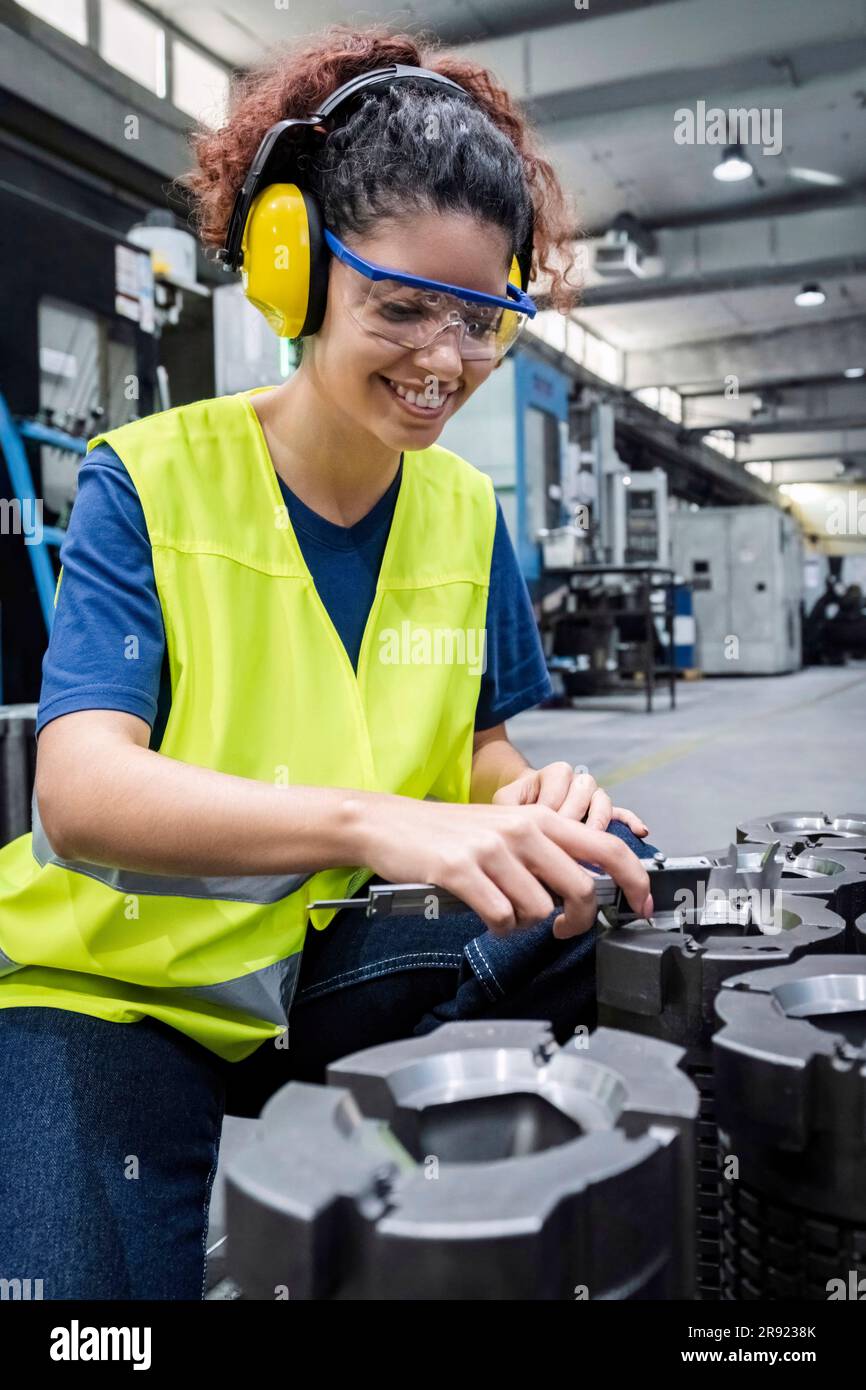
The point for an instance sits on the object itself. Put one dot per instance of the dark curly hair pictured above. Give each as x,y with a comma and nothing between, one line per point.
382,162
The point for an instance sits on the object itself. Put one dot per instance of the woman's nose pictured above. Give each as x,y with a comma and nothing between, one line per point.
442,356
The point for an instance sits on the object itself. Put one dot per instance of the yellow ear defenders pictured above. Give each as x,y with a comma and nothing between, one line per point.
275,234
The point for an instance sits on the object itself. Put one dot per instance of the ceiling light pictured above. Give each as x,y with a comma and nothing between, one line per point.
853,372
810,296
818,176
733,165
626,482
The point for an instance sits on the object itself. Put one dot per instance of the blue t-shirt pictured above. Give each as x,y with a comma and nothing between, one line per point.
108,596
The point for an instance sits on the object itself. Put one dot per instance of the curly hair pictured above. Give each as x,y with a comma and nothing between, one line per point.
378,164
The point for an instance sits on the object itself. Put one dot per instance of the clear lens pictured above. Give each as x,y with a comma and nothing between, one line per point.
412,318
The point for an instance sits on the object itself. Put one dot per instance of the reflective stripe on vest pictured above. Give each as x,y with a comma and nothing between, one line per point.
261,688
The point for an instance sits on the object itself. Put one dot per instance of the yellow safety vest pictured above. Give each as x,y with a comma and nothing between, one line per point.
261,687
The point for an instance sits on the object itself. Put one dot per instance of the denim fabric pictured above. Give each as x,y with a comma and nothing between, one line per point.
109,1133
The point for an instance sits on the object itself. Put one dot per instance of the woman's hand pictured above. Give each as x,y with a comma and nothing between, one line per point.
503,861
573,792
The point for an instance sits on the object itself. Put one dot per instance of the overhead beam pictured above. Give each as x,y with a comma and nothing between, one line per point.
807,198
816,349
576,69
722,281
746,388
804,404
794,445
778,426
819,456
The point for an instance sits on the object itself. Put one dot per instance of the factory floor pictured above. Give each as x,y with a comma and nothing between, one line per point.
734,747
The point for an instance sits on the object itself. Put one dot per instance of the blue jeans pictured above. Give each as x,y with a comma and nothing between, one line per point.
109,1133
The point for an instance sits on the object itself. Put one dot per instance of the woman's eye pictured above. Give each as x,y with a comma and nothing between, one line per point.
479,327
397,312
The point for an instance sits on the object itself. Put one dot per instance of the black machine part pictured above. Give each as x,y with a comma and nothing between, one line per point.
481,1161
790,1062
661,978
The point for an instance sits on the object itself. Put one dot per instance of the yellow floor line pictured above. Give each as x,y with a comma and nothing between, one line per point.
653,761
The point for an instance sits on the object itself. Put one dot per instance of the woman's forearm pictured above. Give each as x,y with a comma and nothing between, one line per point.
495,763
137,809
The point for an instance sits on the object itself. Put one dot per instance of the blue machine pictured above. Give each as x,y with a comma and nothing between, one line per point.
12,436
684,628
515,428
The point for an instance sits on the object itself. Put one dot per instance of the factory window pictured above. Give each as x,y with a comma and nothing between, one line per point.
133,43
198,86
722,441
70,16
602,359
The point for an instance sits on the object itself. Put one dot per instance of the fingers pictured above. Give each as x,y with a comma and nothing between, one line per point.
521,792
634,823
555,785
580,794
580,909
564,876
609,853
473,887
600,810
495,884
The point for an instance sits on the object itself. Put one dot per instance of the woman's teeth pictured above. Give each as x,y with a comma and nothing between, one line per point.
416,397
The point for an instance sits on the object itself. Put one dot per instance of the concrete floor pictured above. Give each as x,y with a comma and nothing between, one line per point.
733,748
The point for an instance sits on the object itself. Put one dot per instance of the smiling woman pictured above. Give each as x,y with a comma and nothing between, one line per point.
272,746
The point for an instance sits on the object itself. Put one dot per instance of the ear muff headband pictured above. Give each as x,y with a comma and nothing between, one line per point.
275,231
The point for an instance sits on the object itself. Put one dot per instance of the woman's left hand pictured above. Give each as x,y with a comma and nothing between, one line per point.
572,792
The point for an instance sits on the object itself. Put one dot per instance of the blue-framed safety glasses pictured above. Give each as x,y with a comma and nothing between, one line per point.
411,312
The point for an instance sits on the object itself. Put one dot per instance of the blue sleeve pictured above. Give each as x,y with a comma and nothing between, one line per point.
516,675
108,640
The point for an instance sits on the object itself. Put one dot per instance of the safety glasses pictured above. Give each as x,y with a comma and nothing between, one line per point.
411,312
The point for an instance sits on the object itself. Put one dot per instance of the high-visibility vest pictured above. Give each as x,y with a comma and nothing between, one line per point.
261,687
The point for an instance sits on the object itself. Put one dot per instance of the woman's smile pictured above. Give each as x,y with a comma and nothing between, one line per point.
416,402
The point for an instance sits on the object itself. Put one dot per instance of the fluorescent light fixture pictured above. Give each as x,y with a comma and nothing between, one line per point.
853,372
801,492
733,165
817,176
810,296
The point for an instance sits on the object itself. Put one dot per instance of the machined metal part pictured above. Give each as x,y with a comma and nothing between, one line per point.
659,979
237,1131
790,1062
481,1161
808,829
834,874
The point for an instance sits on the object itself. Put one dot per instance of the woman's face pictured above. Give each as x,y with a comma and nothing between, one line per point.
354,366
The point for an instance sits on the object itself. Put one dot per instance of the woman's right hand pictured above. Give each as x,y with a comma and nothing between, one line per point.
499,860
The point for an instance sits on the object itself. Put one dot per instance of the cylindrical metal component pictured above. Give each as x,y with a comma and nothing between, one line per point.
17,769
810,829
661,980
834,874
481,1161
790,1062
